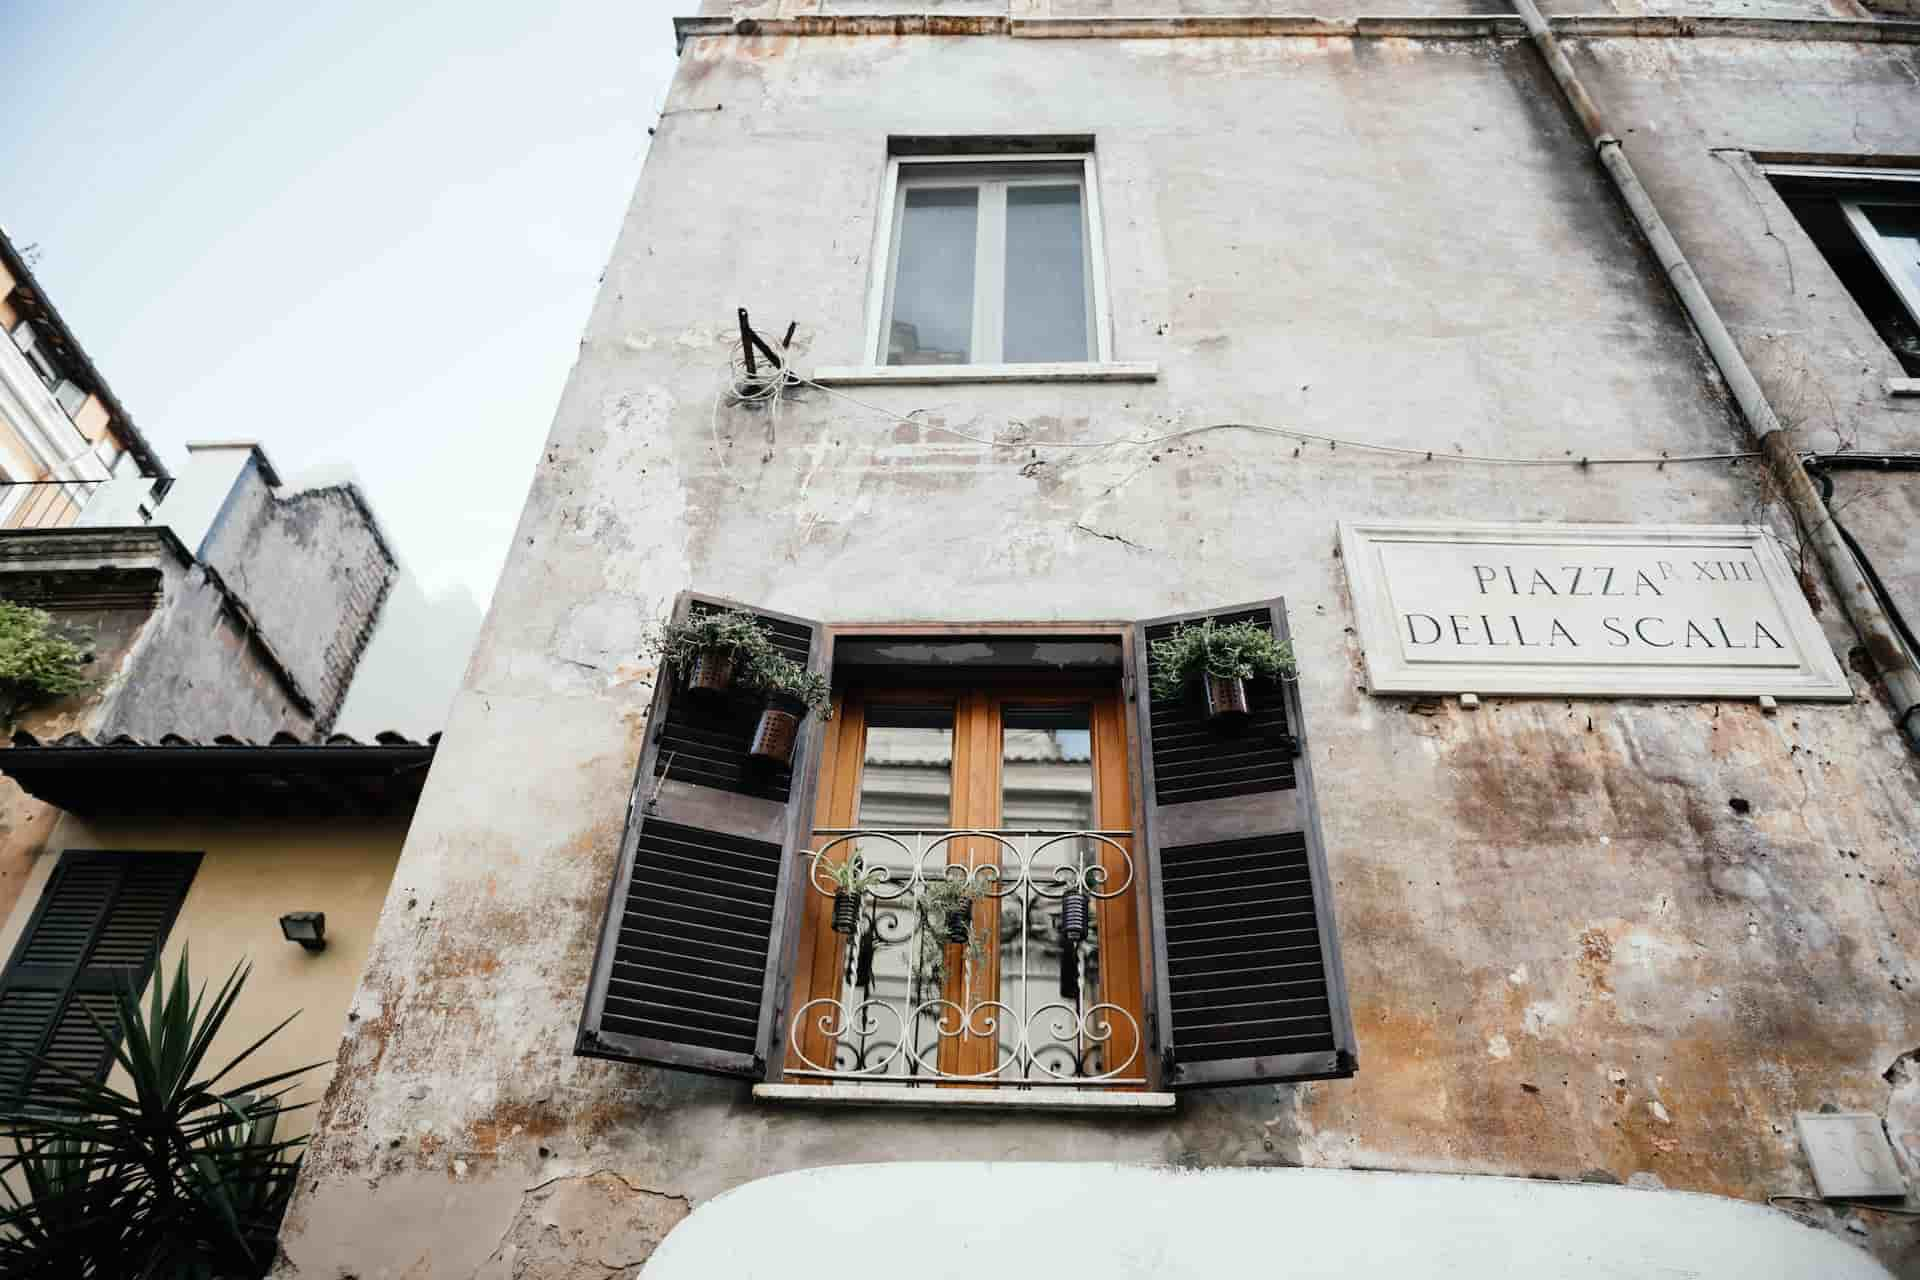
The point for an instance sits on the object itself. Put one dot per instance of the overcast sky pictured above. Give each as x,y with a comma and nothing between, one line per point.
360,232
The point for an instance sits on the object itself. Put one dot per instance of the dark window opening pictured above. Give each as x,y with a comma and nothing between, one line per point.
1823,215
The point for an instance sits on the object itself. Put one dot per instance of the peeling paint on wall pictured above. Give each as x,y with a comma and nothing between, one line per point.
1586,940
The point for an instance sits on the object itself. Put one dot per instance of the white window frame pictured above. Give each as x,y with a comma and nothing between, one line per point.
997,172
1878,249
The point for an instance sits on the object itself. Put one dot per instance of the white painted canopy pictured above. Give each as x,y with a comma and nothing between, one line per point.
1057,1221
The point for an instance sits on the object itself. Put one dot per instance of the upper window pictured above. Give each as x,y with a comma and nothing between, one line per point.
991,261
1866,223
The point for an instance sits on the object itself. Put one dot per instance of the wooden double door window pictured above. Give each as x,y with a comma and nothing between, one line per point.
1001,811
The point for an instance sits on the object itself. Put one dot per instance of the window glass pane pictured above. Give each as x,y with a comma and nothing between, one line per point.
1049,980
1899,228
906,782
933,279
1046,275
907,778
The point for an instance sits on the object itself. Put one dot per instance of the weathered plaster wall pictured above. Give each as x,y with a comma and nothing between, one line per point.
976,11
1570,954
178,653
251,874
313,571
110,630
200,674
1819,359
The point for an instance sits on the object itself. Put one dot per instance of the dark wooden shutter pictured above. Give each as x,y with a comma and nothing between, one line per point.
1248,982
697,917
100,922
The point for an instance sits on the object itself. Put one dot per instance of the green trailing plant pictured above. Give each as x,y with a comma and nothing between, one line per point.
853,875
1233,650
179,1175
773,672
37,661
937,900
741,634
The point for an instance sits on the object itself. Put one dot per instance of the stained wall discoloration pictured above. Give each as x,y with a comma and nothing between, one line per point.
1569,953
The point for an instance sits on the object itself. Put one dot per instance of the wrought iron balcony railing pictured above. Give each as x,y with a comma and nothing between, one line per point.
969,955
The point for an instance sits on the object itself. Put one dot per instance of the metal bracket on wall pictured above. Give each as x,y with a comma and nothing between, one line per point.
653,797
751,342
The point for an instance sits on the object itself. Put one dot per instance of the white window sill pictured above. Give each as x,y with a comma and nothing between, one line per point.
1903,386
916,374
927,1097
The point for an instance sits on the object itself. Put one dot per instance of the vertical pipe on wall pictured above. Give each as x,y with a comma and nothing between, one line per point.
1870,621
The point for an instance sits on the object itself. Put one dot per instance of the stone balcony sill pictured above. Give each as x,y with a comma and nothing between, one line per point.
1903,386
929,1098
920,374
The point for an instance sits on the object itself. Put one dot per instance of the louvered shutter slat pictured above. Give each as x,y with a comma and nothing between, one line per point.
100,923
25,1016
1249,985
698,912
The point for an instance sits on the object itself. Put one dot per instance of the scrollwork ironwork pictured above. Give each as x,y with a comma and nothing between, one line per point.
897,1023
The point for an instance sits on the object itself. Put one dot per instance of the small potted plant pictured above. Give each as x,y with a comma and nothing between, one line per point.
709,650
1221,658
851,878
791,692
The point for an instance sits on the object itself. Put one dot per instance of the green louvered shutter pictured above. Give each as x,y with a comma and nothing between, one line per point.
100,922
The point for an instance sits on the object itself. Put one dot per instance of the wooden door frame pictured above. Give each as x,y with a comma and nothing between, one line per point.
816,957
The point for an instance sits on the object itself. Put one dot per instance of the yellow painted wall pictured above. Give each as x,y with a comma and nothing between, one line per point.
249,876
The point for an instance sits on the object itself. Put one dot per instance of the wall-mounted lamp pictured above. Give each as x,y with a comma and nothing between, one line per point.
308,928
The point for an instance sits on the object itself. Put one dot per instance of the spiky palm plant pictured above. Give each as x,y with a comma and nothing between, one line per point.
181,1177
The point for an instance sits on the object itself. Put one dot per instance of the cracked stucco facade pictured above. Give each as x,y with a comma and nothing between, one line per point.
1570,953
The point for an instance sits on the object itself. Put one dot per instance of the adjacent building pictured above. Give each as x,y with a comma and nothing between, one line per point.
62,431
180,846
237,610
1547,381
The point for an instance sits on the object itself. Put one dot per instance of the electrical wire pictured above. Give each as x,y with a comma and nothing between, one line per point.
1817,467
1305,437
768,388
738,387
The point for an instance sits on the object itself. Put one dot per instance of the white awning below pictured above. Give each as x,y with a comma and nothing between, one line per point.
965,1221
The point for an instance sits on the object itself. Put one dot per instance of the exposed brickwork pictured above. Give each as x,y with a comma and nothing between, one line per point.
313,571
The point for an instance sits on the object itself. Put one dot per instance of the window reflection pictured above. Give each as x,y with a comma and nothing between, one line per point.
906,783
1049,974
933,279
1046,286
1046,784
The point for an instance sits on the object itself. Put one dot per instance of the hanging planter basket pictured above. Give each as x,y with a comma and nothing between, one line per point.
846,911
779,728
1073,917
960,925
1224,699
711,672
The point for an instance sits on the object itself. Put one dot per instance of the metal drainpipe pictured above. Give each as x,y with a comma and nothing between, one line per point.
1809,511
